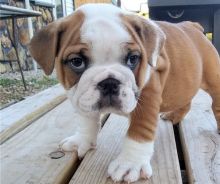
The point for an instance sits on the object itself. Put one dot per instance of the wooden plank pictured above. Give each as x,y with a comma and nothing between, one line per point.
201,142
93,168
18,116
25,157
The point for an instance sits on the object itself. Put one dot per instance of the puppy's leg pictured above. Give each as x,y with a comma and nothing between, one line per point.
133,162
85,136
177,115
211,83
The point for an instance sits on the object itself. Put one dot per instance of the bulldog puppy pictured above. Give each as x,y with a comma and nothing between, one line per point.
110,61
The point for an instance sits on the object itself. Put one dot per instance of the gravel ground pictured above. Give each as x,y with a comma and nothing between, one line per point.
12,89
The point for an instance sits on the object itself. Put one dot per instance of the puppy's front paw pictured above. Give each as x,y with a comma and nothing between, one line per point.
129,171
77,142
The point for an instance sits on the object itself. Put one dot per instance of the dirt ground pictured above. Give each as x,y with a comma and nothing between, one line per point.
12,89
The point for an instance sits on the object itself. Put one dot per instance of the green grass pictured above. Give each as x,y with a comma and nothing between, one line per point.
12,90
8,82
42,82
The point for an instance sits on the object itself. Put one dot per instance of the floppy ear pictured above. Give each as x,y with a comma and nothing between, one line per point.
150,34
157,39
44,45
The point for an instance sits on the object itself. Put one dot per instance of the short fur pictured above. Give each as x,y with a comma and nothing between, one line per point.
176,60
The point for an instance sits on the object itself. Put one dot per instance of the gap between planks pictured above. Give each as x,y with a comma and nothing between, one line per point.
93,168
25,157
201,142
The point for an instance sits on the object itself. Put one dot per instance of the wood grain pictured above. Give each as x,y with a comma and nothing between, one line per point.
93,168
201,142
25,157
16,117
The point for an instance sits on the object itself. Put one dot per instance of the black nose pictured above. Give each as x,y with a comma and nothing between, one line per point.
109,86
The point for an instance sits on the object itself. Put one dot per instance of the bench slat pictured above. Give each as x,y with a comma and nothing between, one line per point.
201,142
16,117
24,157
93,168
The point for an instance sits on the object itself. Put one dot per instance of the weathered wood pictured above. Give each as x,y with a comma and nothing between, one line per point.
18,116
25,157
201,142
93,169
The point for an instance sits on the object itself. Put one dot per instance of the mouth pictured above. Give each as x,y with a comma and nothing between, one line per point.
109,101
107,92
113,98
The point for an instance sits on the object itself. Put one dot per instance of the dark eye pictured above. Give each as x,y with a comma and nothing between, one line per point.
77,63
132,61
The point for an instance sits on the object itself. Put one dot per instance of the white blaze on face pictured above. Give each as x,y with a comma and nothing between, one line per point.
106,37
103,31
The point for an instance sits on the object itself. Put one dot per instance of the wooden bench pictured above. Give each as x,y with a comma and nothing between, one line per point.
25,156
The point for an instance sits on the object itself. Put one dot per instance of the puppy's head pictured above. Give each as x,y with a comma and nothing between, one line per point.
102,56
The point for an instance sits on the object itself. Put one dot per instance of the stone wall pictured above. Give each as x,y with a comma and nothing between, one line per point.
7,51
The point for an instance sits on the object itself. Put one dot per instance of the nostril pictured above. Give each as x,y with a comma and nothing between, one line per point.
115,87
109,86
102,86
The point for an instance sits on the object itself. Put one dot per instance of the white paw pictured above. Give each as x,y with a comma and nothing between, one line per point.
129,171
79,143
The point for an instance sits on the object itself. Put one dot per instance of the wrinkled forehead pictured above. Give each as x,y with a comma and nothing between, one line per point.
104,33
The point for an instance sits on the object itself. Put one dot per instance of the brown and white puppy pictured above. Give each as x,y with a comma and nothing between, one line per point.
110,61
